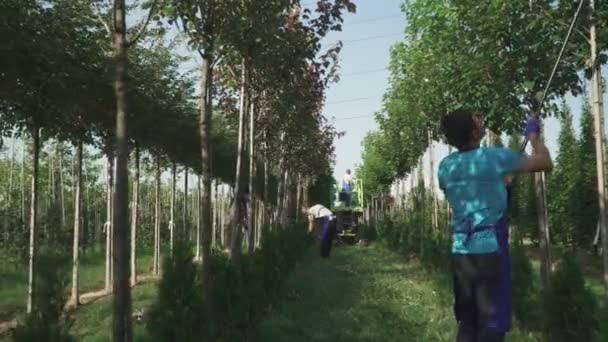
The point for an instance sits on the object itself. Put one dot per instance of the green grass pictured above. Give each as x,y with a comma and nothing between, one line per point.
93,322
359,294
364,294
13,279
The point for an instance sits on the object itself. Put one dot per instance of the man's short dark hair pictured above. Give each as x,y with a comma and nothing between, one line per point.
458,126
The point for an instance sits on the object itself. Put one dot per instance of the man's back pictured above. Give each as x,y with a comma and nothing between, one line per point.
318,211
473,182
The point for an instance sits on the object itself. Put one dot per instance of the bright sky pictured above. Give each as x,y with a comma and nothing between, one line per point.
367,36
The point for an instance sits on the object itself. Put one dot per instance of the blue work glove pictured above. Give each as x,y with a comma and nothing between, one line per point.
532,126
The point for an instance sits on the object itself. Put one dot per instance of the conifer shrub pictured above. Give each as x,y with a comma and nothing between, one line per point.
240,293
47,322
524,289
178,312
571,310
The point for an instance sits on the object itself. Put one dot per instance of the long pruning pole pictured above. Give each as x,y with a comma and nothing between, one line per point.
557,61
540,182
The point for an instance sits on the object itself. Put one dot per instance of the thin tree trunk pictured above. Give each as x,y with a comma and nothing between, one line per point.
198,219
216,214
33,218
10,172
266,199
23,223
122,329
156,267
89,235
598,116
237,210
134,219
51,189
281,184
543,225
9,195
435,220
305,193
221,220
421,208
205,121
225,202
298,196
77,220
252,198
172,209
185,230
286,198
61,189
109,217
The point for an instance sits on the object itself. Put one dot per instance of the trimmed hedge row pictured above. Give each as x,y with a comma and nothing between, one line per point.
241,294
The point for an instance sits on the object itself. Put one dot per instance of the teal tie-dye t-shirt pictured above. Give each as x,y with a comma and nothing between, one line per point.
474,184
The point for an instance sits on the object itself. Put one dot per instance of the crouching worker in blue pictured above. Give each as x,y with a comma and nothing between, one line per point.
322,222
473,179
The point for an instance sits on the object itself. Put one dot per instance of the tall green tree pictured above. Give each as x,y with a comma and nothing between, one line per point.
564,184
588,211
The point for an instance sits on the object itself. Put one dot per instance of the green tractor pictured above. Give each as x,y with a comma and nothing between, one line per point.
349,218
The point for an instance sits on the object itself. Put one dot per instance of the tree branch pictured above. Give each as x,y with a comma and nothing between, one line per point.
105,24
144,26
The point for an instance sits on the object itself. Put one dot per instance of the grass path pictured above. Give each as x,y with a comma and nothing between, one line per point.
363,294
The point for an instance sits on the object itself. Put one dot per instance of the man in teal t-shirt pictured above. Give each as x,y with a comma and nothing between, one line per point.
473,179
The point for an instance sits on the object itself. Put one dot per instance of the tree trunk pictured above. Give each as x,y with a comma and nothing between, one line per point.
435,220
298,196
237,210
216,212
185,230
122,329
252,197
109,227
221,218
198,219
134,219
50,194
205,121
33,218
306,192
61,189
156,267
286,198
88,237
543,225
77,221
266,199
9,195
598,116
281,184
23,186
172,209
420,199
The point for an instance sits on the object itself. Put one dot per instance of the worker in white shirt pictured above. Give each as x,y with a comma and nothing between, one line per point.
323,221
347,188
